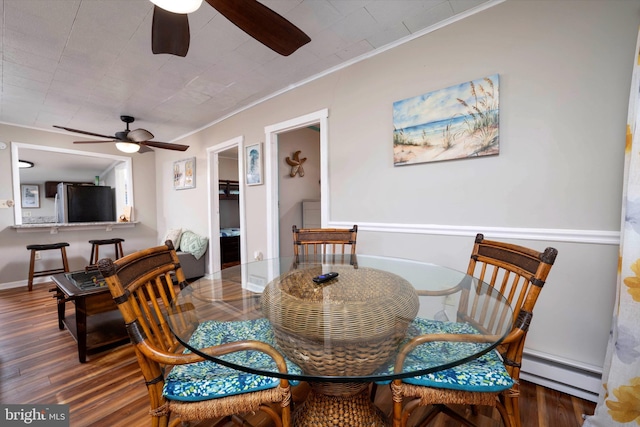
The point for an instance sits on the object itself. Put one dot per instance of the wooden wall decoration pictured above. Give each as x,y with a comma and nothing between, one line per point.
296,164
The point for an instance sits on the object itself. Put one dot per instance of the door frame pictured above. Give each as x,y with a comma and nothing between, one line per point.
213,180
271,172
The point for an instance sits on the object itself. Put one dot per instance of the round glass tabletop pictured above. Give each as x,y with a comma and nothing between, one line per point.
344,327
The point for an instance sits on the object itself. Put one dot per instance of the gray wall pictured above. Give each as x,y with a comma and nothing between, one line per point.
565,70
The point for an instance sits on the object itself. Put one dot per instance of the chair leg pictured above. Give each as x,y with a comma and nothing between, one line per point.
92,256
32,263
396,395
374,390
278,422
512,409
505,415
119,253
286,416
65,262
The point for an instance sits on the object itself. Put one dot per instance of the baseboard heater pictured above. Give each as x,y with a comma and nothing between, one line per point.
568,376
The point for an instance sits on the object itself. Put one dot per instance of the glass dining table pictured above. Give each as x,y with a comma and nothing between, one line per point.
343,332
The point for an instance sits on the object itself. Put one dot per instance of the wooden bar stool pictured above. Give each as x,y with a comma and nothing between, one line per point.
95,247
40,273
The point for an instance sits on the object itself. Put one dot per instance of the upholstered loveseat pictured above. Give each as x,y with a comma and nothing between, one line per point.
191,249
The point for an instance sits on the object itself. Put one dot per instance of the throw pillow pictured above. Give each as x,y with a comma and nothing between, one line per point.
174,235
194,244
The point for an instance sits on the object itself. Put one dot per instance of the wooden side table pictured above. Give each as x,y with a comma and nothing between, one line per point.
97,323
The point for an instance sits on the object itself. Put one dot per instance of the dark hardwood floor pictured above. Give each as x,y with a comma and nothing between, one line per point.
39,365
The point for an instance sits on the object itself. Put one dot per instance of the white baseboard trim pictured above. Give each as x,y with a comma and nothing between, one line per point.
21,283
568,376
599,237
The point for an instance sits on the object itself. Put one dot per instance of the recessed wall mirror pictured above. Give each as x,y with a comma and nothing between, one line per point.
67,186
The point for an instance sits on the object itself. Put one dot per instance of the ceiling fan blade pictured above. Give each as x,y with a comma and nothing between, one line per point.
144,149
263,24
84,132
165,145
93,142
169,32
139,135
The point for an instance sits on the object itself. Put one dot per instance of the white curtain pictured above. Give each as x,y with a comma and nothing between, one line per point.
619,400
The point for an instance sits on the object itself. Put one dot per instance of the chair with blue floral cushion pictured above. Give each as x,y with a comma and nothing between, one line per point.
183,386
492,379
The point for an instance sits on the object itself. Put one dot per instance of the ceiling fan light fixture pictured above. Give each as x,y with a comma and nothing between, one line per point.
178,6
24,164
128,147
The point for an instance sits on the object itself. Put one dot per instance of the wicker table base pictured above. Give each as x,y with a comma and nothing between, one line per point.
322,410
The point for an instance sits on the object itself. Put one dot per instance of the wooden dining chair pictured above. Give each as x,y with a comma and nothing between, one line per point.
324,241
519,274
182,386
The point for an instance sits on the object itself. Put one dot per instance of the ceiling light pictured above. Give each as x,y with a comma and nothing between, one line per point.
178,6
23,164
127,147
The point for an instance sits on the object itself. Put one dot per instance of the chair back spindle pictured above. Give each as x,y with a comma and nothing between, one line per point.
324,241
519,274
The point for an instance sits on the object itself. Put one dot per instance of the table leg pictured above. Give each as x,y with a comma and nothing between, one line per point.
334,404
60,299
81,327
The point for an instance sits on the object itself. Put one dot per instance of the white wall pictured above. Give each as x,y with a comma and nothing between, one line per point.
565,70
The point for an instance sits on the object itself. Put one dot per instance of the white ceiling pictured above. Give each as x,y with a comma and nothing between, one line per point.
83,63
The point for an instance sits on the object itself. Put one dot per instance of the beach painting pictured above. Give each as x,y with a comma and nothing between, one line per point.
458,122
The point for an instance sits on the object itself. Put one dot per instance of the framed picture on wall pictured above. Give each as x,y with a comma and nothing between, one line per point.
457,122
30,195
253,163
184,174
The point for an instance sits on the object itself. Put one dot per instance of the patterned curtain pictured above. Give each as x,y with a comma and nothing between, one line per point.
619,401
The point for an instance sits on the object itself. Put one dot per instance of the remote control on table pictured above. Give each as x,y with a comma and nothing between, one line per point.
325,277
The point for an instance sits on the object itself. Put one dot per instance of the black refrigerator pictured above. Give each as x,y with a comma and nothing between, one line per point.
84,203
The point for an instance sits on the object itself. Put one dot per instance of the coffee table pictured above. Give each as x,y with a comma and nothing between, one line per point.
96,324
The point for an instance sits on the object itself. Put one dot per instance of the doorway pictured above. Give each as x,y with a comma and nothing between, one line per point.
274,158
227,218
299,196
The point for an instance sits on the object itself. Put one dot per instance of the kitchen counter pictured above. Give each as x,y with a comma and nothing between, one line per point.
54,228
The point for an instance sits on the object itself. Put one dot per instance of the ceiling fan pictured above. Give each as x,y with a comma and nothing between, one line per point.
170,29
129,141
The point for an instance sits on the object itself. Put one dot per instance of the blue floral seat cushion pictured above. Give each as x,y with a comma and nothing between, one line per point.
209,380
486,373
